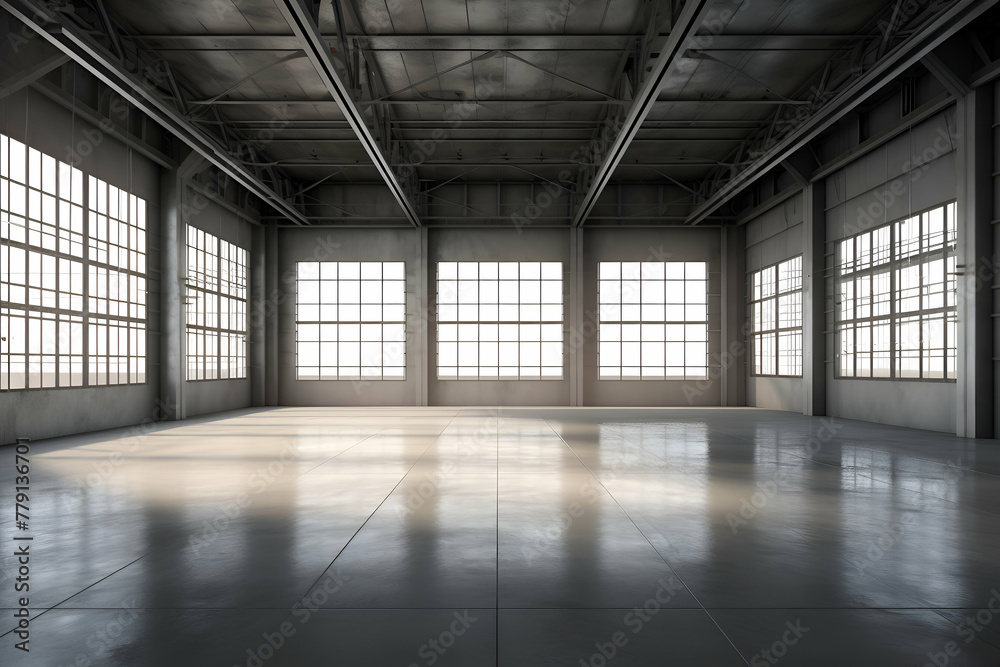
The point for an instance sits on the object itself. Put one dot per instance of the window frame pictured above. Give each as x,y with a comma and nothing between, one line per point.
222,291
546,324
622,322
894,318
80,225
775,330
361,322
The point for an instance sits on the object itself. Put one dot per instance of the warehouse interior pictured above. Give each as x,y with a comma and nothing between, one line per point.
499,332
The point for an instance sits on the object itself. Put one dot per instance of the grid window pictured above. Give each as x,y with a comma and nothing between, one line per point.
896,309
500,320
351,321
653,320
216,308
61,282
776,318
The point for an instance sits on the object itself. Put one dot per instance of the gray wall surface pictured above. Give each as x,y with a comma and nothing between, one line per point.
774,236
43,413
204,396
538,244
500,245
926,405
663,244
910,173
346,245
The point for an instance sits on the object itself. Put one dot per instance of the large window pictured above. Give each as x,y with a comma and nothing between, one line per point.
896,306
500,320
72,276
216,308
653,320
351,321
776,318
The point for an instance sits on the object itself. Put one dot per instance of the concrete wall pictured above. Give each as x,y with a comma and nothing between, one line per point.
537,244
347,245
910,173
43,413
499,245
773,236
662,244
994,276
204,396
926,405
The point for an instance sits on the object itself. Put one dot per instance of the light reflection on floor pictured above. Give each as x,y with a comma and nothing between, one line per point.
514,536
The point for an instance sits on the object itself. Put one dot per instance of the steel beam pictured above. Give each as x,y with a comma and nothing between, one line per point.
983,76
685,26
458,101
75,43
946,76
302,23
29,76
946,24
482,42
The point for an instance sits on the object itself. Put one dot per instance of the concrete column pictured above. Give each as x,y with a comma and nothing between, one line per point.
271,316
974,251
734,350
423,358
172,294
574,315
257,343
814,366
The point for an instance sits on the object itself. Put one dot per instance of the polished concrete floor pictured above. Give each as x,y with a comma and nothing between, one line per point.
516,537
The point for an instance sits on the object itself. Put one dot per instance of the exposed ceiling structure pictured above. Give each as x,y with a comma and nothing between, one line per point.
295,98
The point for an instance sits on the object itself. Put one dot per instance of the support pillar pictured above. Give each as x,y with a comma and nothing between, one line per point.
974,251
257,344
422,356
734,350
814,352
271,315
172,258
575,340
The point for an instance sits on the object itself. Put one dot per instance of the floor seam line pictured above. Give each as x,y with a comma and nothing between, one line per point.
653,547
